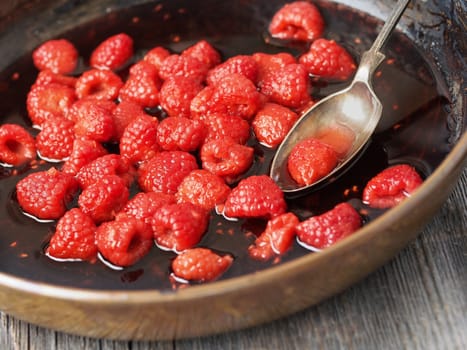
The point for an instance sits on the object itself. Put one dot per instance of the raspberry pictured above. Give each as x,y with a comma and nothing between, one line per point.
288,86
55,141
156,56
203,188
226,158
268,63
139,142
89,106
179,133
241,64
59,56
200,265
144,205
113,52
327,59
187,66
17,146
176,95
276,239
221,126
203,52
94,119
124,241
99,83
46,77
391,186
83,151
272,123
257,196
165,171
321,231
310,160
102,199
109,164
48,101
299,20
179,226
142,86
45,194
74,237
124,114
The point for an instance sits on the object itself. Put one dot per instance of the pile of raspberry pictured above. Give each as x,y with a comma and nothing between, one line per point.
98,132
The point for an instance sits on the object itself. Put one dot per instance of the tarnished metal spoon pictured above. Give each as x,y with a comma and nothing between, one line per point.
354,111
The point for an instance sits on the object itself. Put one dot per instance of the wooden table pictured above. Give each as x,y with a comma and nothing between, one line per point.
417,301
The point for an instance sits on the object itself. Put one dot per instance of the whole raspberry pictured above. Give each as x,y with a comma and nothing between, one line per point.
124,241
74,237
105,197
203,52
17,146
188,66
94,119
203,188
124,114
310,160
299,20
46,77
321,231
139,140
144,205
84,151
165,171
102,84
272,123
84,107
176,95
200,265
55,141
391,186
59,56
113,52
222,126
45,194
179,226
327,59
179,133
257,196
156,56
268,63
241,64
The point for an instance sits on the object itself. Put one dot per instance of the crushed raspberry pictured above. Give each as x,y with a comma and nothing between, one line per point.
46,77
139,140
102,84
203,52
93,119
272,123
83,152
45,194
59,56
223,126
310,160
179,133
299,20
124,114
200,265
327,59
176,95
142,86
391,186
156,56
241,64
177,65
55,140
165,171
17,146
113,52
179,226
203,188
321,231
124,241
144,205
257,196
74,237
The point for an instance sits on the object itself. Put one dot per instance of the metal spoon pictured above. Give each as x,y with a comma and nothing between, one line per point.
355,109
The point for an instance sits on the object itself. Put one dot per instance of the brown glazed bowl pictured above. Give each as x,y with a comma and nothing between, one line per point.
437,30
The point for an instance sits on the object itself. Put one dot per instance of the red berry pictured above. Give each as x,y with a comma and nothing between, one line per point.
203,52
222,126
55,141
272,123
276,239
200,265
102,84
268,63
241,64
179,133
59,56
113,52
124,241
327,59
45,194
142,86
74,237
105,197
203,188
84,151
391,186
176,95
46,77
179,226
256,196
310,160
124,114
188,66
93,119
156,56
299,20
139,140
321,231
17,146
165,171
144,205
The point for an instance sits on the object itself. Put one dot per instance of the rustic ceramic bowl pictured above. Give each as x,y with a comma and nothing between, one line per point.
255,297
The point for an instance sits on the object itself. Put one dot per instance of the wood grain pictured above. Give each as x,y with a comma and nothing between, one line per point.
416,301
